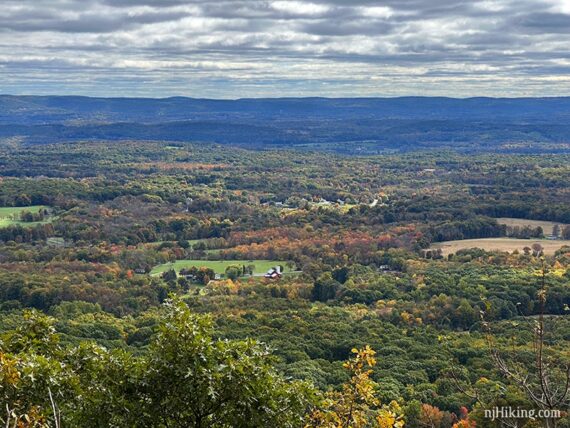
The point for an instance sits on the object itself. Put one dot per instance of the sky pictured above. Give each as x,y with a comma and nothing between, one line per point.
274,48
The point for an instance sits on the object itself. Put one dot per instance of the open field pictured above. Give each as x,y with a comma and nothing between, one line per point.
219,266
499,244
9,216
547,226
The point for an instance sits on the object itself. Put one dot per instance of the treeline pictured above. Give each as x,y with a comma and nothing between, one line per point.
30,217
45,286
531,210
525,232
477,227
19,234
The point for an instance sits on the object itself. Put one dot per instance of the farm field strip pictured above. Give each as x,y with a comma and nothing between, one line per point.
219,266
499,244
547,226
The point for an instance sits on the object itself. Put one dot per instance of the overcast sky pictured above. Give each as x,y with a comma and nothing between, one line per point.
251,48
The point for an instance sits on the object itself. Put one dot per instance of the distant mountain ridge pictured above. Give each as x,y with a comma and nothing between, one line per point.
57,109
383,123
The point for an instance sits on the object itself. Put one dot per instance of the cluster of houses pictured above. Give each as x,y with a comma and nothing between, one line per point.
295,202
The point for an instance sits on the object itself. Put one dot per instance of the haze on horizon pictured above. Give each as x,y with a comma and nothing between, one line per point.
274,48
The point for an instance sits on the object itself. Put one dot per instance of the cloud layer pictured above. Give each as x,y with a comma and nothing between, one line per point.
251,48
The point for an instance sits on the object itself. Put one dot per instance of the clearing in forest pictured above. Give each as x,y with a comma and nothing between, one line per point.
10,216
499,244
219,266
547,226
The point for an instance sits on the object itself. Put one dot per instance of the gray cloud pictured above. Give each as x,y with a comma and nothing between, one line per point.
91,21
232,48
547,22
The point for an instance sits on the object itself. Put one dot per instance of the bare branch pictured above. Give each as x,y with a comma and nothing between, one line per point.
56,414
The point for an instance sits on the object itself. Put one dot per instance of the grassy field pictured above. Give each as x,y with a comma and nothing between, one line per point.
546,225
499,244
219,266
9,216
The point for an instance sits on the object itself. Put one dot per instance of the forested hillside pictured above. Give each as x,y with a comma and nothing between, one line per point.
344,125
162,284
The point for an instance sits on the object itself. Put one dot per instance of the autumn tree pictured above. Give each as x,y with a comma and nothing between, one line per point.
537,249
356,404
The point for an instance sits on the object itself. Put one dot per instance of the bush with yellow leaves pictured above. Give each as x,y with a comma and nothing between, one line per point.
355,405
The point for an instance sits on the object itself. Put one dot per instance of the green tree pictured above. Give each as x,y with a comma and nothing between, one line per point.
193,380
233,272
170,275
325,288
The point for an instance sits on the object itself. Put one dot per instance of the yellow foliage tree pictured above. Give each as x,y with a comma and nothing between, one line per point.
355,405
